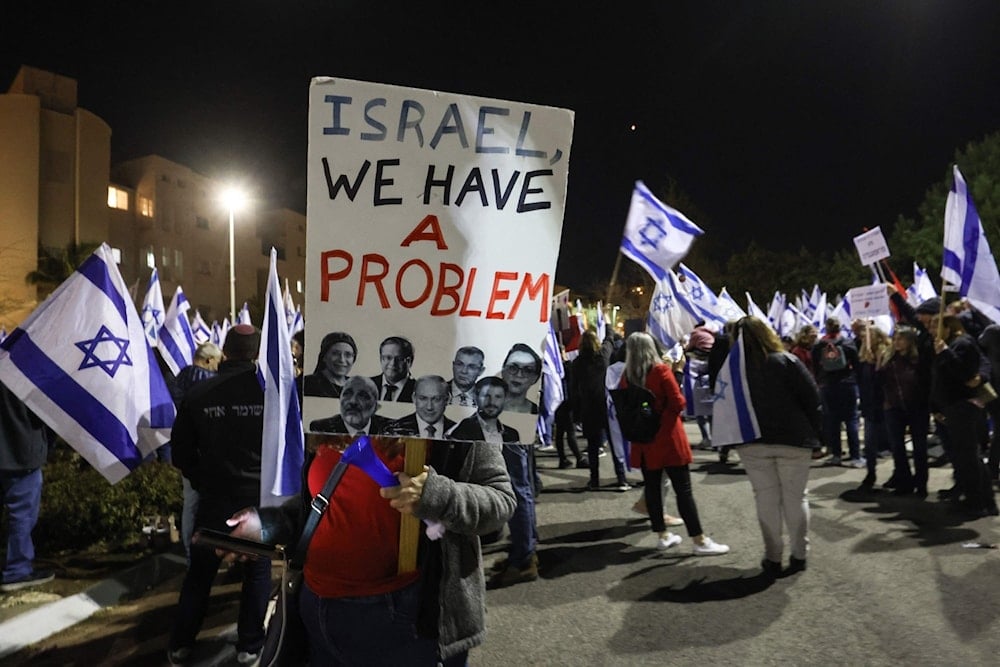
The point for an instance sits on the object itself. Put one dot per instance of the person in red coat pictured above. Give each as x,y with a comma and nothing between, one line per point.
669,451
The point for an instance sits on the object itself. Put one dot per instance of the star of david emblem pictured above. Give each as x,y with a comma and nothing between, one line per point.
663,302
113,352
652,232
697,293
731,312
720,394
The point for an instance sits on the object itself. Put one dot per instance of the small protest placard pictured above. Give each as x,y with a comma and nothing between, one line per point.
871,246
869,301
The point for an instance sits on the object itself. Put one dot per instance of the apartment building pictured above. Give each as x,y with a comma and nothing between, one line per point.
57,187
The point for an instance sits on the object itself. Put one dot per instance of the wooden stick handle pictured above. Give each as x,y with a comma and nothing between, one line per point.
415,456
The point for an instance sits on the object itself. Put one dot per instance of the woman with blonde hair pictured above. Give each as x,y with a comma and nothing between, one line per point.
786,403
669,451
905,380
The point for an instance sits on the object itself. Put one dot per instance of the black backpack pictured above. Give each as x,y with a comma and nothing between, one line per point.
638,417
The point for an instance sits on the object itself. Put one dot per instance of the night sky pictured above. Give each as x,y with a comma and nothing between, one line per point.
795,122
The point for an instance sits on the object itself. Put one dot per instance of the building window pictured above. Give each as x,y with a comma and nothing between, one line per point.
298,286
145,206
150,258
200,222
165,257
179,263
117,198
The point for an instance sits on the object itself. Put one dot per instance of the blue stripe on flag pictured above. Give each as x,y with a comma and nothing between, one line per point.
96,271
76,401
740,399
970,244
161,405
634,253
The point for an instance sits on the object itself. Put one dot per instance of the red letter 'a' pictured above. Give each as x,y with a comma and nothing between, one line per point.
427,230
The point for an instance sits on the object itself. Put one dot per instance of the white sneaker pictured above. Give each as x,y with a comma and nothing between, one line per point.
245,658
857,463
710,548
671,540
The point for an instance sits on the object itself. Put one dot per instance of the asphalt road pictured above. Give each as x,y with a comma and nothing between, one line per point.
889,583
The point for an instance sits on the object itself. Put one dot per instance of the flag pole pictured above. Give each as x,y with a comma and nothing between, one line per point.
614,275
415,456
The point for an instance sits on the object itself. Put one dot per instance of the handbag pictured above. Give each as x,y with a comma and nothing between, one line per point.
285,640
985,394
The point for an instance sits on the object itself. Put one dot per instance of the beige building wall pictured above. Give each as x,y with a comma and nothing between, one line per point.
55,175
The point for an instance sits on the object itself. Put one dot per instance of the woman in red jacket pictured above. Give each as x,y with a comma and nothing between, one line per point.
669,451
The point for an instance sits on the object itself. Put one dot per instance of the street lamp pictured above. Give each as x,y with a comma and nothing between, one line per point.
233,198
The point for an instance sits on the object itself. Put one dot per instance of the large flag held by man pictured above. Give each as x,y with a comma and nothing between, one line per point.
656,236
81,363
282,446
968,264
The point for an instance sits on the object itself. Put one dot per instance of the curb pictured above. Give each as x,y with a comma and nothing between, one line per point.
44,621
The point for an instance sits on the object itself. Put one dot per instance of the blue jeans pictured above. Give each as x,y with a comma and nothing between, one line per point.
22,495
197,587
368,631
840,406
523,530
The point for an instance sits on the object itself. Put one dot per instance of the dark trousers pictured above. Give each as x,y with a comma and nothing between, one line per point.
896,422
680,480
966,430
595,430
565,432
876,439
22,496
368,631
840,406
195,592
993,409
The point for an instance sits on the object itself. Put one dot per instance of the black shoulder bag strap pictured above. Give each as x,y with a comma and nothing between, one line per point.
316,509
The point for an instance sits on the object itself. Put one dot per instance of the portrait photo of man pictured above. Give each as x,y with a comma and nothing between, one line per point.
394,382
358,403
466,368
491,395
430,396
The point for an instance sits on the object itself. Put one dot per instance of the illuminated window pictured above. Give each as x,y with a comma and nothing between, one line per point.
117,198
179,262
145,206
298,286
165,257
150,257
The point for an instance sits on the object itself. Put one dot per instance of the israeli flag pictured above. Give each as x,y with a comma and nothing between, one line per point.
199,329
612,379
671,316
81,362
553,391
283,444
602,323
776,310
656,236
734,421
922,287
728,308
753,310
223,330
153,310
819,313
298,324
176,338
217,336
968,264
702,297
244,315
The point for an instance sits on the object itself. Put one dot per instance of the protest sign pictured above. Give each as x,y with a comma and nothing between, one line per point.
870,301
434,222
871,246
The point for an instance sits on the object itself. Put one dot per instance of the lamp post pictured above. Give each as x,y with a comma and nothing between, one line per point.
233,199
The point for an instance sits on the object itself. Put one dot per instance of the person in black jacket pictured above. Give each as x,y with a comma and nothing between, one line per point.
217,441
587,396
835,363
786,402
957,371
24,447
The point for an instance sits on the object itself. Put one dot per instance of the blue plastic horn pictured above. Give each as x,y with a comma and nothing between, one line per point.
361,454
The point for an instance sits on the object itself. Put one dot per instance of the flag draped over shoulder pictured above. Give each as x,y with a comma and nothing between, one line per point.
176,338
283,444
968,264
656,236
734,421
82,364
152,309
553,393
